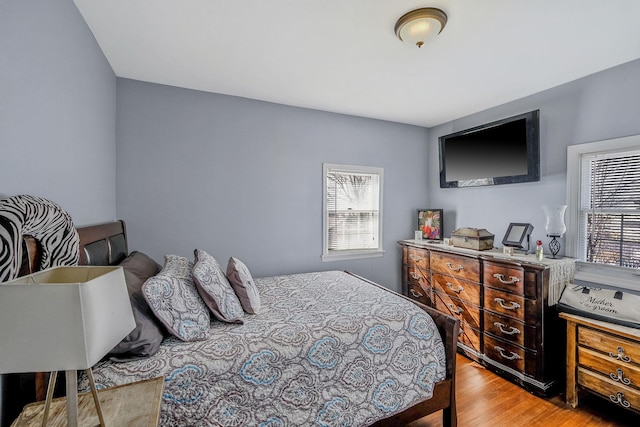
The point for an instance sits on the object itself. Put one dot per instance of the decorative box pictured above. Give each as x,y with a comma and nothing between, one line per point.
478,239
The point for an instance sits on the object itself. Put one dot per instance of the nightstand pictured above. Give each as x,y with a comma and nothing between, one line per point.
135,404
602,358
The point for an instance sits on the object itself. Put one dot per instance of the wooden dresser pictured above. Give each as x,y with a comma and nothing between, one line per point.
602,358
506,321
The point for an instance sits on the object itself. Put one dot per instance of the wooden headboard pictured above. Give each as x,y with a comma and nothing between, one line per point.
100,244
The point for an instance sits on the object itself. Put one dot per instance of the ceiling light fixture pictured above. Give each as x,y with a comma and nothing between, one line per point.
418,26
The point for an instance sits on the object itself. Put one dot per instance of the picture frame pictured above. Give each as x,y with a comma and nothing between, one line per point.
430,222
518,235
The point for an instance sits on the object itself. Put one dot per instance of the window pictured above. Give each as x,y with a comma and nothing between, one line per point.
352,212
604,202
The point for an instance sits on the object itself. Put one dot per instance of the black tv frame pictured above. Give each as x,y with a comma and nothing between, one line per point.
532,125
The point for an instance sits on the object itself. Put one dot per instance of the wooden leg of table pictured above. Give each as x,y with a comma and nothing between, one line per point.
571,391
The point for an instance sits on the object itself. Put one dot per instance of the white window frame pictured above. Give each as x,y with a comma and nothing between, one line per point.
591,272
349,254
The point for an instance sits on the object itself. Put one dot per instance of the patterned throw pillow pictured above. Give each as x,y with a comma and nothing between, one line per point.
215,289
242,283
174,300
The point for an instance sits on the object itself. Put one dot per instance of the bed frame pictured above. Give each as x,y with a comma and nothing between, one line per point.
106,244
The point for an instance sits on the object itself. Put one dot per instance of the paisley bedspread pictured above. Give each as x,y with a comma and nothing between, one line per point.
325,349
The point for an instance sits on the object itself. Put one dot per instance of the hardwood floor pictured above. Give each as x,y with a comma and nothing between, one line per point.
485,399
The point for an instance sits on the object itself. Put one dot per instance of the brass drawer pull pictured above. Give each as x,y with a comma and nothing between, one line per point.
511,280
454,268
504,331
620,377
415,276
620,355
455,309
619,399
415,258
512,306
415,293
513,355
458,290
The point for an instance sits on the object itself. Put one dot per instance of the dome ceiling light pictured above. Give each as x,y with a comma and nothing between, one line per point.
418,26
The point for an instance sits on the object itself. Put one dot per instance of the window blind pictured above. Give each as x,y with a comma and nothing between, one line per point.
353,210
610,209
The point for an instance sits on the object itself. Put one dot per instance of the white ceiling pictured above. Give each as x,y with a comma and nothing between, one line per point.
343,56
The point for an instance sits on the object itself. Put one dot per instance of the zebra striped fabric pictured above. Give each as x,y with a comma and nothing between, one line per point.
45,221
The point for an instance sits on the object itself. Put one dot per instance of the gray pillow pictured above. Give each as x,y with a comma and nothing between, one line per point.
245,288
215,290
146,337
174,300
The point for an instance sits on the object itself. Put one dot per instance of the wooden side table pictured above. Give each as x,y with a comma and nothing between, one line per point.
135,404
602,358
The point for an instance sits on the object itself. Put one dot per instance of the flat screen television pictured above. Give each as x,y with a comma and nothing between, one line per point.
502,152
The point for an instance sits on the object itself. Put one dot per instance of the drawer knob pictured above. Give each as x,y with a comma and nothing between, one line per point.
512,356
620,355
415,293
415,276
415,258
512,305
619,376
456,267
457,290
455,309
509,332
502,280
619,399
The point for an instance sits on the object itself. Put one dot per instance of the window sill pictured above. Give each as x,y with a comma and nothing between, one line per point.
589,274
345,255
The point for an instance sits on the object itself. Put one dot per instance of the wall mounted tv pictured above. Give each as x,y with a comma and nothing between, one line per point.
502,152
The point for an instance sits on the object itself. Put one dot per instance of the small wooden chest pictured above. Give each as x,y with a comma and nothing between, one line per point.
472,238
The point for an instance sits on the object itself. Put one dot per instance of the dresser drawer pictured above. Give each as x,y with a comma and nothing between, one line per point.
455,265
417,292
417,276
469,336
504,303
464,311
456,287
416,256
505,353
612,345
618,371
611,390
510,329
501,276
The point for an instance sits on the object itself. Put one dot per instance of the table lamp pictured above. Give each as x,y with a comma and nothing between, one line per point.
63,319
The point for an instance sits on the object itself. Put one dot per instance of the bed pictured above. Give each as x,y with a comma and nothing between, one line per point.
258,372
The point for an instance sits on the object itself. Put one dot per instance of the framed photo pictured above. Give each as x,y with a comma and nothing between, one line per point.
430,223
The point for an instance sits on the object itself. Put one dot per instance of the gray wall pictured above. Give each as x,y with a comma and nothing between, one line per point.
57,109
601,106
57,121
239,177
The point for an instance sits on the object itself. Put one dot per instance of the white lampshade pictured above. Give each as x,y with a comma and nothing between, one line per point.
554,224
418,26
63,318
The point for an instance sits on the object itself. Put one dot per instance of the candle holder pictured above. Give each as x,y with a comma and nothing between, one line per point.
554,226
